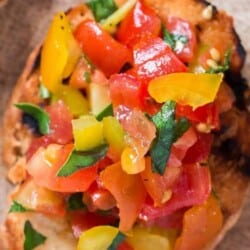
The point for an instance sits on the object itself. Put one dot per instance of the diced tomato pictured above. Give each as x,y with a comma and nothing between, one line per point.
126,90
193,188
45,163
153,57
180,27
60,128
101,48
158,185
60,123
200,150
207,114
201,225
140,21
98,198
82,221
128,191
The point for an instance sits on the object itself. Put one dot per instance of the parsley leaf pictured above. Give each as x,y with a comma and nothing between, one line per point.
102,8
173,39
164,121
75,202
108,111
38,114
32,237
78,160
181,127
116,241
17,207
87,77
224,67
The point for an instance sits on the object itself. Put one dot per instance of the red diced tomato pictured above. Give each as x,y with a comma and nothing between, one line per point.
142,20
178,26
200,150
153,57
101,48
126,90
207,114
193,188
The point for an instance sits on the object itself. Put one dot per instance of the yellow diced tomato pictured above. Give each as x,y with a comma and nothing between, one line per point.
143,238
97,238
60,53
114,135
87,132
73,98
186,88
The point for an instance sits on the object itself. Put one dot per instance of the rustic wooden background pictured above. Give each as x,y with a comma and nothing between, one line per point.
22,25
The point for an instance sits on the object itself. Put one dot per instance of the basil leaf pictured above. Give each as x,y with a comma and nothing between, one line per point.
116,241
164,121
44,92
102,8
16,207
38,114
181,127
108,111
78,160
224,67
32,237
173,39
75,202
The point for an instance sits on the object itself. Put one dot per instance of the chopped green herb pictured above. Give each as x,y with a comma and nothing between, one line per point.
78,160
224,67
108,111
44,92
181,127
102,8
32,237
116,241
87,77
38,114
75,202
164,121
17,207
173,39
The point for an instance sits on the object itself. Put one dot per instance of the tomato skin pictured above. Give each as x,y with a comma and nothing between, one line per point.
178,26
126,90
83,220
105,52
193,188
129,192
206,114
200,150
45,173
60,123
153,57
142,20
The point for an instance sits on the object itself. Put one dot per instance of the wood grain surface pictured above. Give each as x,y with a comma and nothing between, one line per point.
23,24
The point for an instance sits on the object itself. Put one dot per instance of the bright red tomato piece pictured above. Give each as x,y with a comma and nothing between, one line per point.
126,90
142,20
45,163
180,27
193,188
200,150
153,57
101,48
207,114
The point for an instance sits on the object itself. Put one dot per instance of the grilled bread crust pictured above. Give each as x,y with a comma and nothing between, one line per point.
230,152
